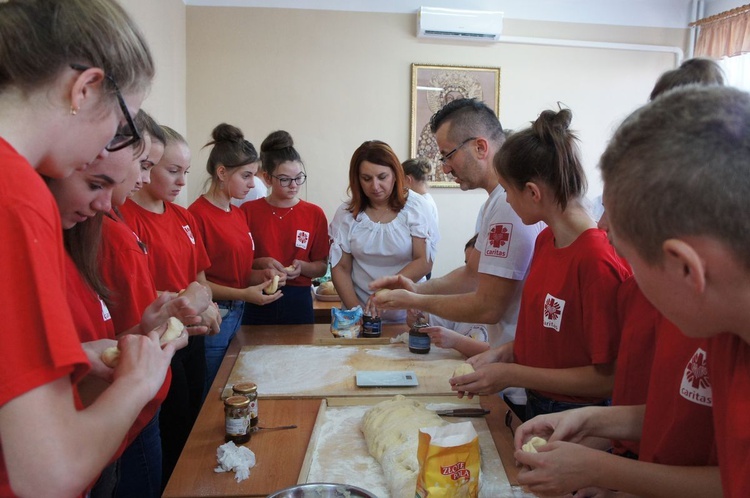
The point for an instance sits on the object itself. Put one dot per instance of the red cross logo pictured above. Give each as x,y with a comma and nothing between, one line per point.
499,235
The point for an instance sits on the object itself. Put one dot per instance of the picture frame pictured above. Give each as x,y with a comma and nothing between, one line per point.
433,86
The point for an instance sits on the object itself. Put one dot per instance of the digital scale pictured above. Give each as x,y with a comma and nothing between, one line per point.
386,378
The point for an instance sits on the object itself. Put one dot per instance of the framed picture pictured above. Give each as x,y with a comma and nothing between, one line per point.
434,86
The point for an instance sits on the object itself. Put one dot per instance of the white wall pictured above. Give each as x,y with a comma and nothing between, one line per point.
334,79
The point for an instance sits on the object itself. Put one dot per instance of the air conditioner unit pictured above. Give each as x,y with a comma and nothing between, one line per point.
477,25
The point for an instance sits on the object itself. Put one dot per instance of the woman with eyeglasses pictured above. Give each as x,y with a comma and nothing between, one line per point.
290,234
232,165
63,65
177,258
384,229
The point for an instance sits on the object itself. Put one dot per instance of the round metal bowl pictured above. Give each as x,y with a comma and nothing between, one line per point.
322,490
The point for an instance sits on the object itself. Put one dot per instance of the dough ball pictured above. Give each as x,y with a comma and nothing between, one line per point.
111,356
327,289
273,286
463,369
174,330
289,268
382,293
532,444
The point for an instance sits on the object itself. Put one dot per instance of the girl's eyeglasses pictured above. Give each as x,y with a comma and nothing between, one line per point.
285,181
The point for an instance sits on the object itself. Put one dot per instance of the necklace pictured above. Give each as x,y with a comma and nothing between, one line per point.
381,216
281,217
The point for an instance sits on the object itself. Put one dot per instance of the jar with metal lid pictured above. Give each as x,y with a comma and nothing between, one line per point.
419,341
250,391
237,419
371,326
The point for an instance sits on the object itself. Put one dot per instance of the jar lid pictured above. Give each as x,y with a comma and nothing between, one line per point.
237,401
245,388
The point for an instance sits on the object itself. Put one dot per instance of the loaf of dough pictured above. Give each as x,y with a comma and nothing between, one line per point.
327,289
273,286
463,369
532,444
391,430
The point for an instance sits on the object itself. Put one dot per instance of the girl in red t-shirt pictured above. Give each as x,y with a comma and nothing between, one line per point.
291,235
229,243
567,336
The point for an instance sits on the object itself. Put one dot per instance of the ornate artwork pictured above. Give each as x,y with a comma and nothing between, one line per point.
434,86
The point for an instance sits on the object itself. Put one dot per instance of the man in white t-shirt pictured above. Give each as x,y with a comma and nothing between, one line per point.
488,288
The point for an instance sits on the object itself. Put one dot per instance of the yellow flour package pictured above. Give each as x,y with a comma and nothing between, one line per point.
449,462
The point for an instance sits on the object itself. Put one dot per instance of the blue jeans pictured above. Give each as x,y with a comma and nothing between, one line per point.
140,465
536,404
216,345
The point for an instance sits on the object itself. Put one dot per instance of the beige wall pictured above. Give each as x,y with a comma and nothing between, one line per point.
163,23
335,79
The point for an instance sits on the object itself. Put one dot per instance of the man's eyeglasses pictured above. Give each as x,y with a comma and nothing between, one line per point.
285,181
450,154
126,135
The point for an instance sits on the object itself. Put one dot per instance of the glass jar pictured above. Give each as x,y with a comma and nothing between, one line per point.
419,341
237,419
371,326
250,391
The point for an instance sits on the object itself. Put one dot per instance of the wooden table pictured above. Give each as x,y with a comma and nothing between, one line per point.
279,454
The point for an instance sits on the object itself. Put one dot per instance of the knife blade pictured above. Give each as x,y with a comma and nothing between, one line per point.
463,412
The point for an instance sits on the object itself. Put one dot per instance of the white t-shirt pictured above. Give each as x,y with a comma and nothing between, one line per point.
433,206
381,249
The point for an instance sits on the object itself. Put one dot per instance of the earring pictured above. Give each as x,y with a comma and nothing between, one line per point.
73,111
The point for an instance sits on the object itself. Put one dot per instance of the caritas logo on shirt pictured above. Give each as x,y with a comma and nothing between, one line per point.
498,240
302,239
189,233
553,311
696,386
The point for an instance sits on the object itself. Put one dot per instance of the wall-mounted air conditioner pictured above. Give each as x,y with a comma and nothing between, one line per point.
477,25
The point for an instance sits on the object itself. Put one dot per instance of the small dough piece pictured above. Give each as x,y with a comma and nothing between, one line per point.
273,286
174,330
289,268
391,430
532,444
381,293
327,289
111,356
463,369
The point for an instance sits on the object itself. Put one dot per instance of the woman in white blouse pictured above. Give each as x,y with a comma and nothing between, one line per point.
384,229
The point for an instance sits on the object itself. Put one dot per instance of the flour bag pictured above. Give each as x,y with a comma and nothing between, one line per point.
449,462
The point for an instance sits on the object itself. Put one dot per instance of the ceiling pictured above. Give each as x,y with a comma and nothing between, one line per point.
652,13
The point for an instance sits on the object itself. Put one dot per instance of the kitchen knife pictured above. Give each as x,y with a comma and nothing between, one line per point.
463,412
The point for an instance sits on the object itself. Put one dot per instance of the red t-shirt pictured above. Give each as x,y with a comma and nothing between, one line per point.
678,424
568,309
638,321
729,367
39,343
229,243
123,264
300,233
124,269
175,247
91,316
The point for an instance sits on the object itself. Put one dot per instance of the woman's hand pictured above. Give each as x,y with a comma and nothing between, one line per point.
94,350
255,295
294,270
443,337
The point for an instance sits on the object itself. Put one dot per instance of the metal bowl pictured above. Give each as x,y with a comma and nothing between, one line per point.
322,490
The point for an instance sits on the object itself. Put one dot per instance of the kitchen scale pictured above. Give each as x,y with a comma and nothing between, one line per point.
386,378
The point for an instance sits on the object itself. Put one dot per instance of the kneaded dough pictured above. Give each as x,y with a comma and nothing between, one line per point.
174,330
463,369
111,356
327,289
532,444
391,430
273,286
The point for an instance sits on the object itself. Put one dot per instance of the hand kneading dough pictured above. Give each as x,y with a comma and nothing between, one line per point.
532,444
391,430
463,369
273,286
111,356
